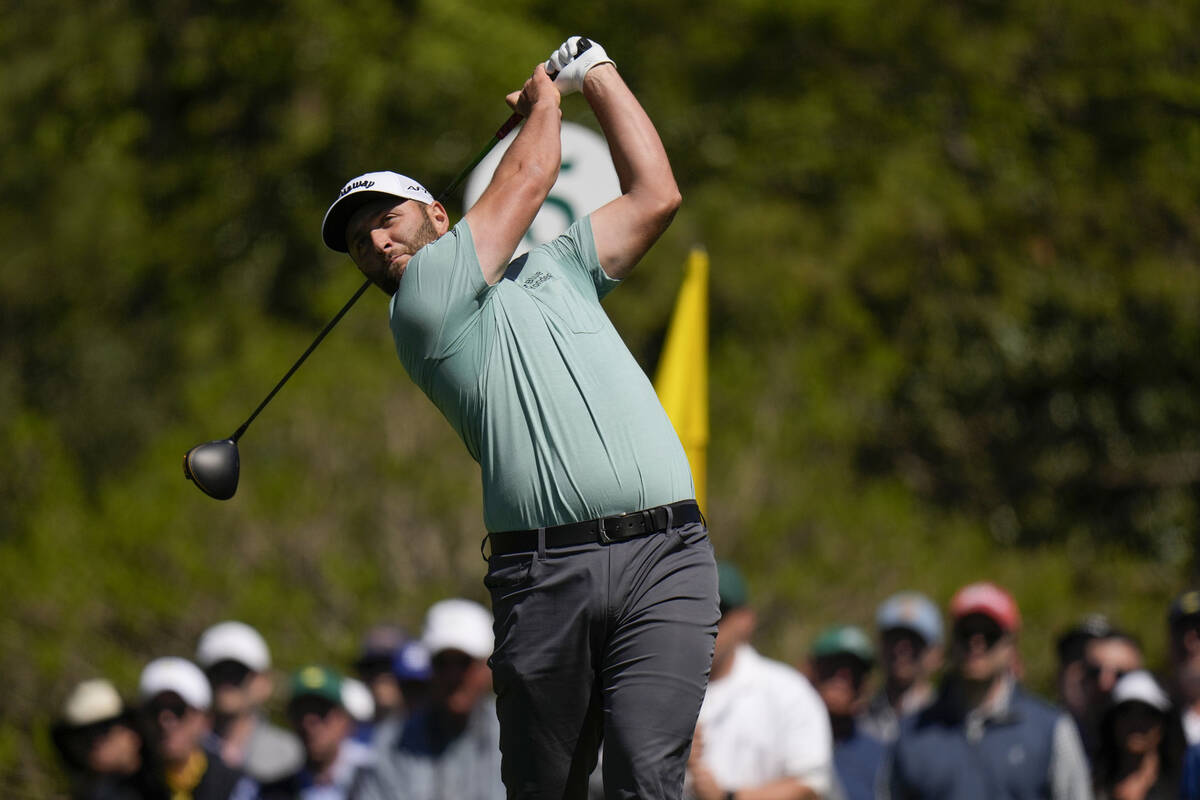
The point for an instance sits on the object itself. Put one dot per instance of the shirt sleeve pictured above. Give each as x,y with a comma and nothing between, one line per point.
807,740
1068,766
575,251
439,295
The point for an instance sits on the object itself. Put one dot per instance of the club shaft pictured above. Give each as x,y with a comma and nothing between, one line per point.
501,132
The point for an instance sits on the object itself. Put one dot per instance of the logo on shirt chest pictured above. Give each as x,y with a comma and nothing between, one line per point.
536,280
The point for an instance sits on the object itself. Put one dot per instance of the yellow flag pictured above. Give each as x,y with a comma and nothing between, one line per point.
682,377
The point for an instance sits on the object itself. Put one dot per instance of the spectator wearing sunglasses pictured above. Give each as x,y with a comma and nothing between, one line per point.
840,660
984,736
1107,657
320,714
448,748
175,701
237,663
1071,680
910,650
101,745
1141,750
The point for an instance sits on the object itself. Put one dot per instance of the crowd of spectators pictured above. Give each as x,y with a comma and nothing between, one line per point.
926,705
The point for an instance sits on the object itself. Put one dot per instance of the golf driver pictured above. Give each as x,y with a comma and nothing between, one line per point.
214,466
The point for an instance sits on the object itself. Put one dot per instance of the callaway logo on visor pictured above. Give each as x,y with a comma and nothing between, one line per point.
349,187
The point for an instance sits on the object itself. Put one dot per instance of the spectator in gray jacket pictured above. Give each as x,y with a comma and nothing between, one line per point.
237,663
449,748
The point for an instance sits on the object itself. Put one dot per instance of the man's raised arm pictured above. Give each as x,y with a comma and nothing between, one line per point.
523,178
625,228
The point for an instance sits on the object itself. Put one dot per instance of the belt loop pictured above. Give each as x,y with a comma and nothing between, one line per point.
541,543
670,517
487,537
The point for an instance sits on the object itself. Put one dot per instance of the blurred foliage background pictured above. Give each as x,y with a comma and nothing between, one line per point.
955,322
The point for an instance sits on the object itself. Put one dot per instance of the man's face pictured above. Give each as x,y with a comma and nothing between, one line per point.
983,651
839,680
115,750
321,726
734,629
904,656
230,681
377,674
459,681
383,236
1105,661
177,726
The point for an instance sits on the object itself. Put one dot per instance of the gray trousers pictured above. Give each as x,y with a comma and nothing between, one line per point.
607,642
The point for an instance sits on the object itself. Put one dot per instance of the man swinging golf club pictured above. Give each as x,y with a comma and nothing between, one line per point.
601,574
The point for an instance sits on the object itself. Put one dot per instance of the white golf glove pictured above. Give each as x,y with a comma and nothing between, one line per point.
572,61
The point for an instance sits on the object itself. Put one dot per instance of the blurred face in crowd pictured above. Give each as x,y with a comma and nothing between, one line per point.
237,689
1185,655
983,651
177,726
321,725
377,674
116,750
1138,727
906,658
839,679
734,629
459,681
1105,661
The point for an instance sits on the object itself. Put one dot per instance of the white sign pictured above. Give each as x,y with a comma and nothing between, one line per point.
586,181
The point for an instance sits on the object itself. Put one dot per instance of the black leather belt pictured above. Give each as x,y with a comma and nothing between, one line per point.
604,529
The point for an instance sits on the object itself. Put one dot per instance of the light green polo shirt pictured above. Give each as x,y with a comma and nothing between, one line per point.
531,373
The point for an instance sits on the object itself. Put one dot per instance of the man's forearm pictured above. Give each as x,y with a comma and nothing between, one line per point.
637,151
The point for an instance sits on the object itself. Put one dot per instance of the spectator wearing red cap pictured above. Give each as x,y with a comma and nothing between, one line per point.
984,736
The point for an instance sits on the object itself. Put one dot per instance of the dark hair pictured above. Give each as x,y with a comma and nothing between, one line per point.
1109,767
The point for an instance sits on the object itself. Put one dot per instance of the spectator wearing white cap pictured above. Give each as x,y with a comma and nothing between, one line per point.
100,744
909,627
176,700
236,661
1141,743
449,748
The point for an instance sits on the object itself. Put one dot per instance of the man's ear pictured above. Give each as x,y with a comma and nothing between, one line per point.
438,216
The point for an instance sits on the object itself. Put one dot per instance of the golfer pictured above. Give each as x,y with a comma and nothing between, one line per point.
601,574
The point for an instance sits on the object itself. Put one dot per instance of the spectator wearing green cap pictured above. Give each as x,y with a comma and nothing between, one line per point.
762,730
909,629
318,712
840,659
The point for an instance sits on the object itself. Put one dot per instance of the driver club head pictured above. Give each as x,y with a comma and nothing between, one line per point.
214,467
